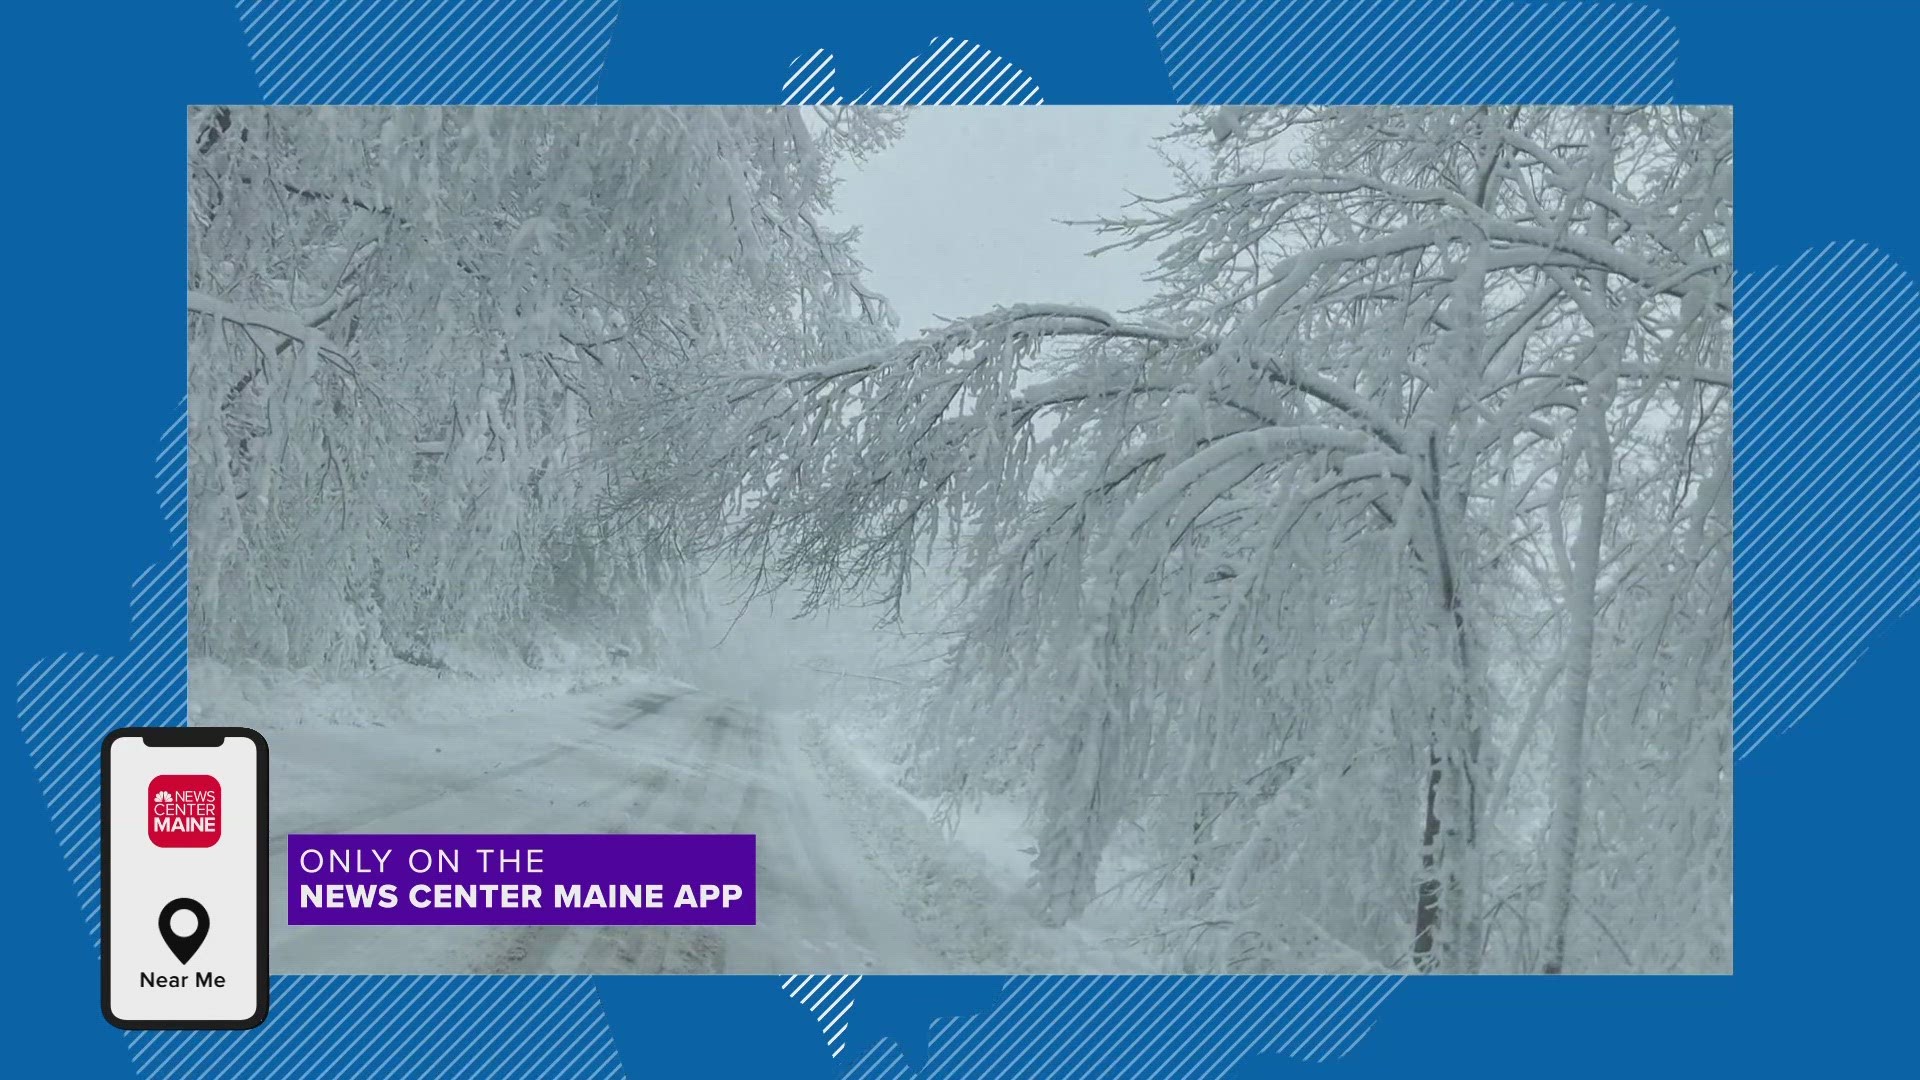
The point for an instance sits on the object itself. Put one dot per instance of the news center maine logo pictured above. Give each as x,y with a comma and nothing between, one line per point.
183,811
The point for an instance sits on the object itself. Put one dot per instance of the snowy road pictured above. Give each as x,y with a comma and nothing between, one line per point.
664,759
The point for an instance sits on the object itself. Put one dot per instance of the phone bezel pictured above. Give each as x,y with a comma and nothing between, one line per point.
175,737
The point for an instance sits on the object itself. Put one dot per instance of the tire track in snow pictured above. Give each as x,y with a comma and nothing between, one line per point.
684,762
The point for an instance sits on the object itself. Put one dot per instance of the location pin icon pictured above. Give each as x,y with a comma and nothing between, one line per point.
183,945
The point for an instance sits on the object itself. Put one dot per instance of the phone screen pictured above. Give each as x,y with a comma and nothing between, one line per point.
184,888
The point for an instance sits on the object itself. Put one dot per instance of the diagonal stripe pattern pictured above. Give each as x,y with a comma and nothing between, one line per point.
1198,1026
68,703
401,1025
829,998
953,71
1828,554
1827,491
428,52
347,1025
400,52
1414,52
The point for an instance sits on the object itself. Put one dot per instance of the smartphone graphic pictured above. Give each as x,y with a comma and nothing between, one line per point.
183,870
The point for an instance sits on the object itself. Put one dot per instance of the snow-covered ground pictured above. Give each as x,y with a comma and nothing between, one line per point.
854,875
962,882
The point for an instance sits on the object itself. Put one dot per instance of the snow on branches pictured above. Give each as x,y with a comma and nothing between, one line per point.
413,333
1421,448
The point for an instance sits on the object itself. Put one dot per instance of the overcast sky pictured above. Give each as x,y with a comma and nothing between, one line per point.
964,211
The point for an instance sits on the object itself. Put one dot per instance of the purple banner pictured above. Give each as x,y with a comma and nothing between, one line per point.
557,879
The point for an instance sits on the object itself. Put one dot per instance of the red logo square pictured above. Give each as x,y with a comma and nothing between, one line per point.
183,811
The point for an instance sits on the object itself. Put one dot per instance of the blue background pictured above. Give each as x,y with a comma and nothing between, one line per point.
95,363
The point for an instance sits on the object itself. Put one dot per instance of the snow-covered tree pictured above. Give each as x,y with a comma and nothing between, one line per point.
410,329
1370,587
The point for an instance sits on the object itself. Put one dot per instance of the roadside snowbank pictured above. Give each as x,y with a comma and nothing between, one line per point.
964,888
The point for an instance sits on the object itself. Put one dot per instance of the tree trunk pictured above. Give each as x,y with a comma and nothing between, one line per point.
1426,910
1582,572
1446,912
1570,735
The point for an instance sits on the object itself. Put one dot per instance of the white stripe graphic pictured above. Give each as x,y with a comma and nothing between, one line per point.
1827,493
425,1025
66,704
954,71
829,998
418,52
344,1025
1141,1025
